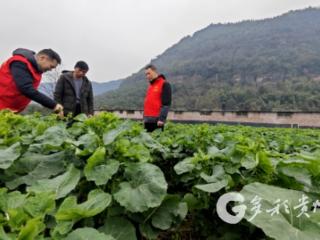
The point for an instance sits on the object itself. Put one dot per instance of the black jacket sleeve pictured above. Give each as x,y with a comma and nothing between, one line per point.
90,100
23,80
166,101
58,92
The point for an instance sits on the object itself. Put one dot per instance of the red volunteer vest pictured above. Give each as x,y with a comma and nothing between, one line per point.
10,96
152,101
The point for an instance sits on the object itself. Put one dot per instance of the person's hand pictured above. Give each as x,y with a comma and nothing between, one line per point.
61,115
58,108
160,123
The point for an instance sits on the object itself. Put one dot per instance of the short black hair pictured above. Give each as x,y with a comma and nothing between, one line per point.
152,67
82,65
51,54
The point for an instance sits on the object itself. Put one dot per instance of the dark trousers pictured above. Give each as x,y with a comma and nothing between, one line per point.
78,109
151,126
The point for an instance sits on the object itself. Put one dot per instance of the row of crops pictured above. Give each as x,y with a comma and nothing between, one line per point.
106,178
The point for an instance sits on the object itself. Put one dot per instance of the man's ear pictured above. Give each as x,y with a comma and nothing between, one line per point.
42,57
39,57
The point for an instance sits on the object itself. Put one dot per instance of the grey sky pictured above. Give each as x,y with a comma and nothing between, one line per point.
118,37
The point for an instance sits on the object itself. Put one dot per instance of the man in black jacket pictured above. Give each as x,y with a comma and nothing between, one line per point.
74,91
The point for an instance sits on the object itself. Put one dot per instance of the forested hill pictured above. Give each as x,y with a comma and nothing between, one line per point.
271,64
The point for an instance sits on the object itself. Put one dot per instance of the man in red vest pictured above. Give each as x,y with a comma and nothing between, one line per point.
157,100
20,78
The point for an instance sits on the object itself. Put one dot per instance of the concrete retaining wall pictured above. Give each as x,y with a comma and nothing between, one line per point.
289,119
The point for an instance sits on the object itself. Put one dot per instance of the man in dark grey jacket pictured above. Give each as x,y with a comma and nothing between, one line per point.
74,91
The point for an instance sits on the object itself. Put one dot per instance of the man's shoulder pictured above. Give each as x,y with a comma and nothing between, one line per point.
19,67
86,79
166,84
18,64
164,79
66,74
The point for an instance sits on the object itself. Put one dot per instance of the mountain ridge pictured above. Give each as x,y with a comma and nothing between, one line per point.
260,65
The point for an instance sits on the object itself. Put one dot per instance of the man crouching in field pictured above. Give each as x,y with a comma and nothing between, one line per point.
20,78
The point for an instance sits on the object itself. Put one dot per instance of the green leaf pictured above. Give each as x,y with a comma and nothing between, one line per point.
61,185
11,205
249,161
97,158
70,212
110,136
184,166
171,211
4,236
301,175
44,167
20,208
151,143
139,152
149,232
9,155
282,226
40,204
146,187
98,169
217,173
88,234
80,117
51,139
212,187
101,174
213,151
10,200
119,228
219,138
62,228
192,202
32,229
97,201
87,144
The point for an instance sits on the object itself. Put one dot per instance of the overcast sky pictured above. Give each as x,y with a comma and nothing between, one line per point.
118,37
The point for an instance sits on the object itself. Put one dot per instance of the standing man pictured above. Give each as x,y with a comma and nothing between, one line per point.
20,78
157,100
74,91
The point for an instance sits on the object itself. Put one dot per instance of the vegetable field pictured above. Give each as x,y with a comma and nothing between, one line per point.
106,178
